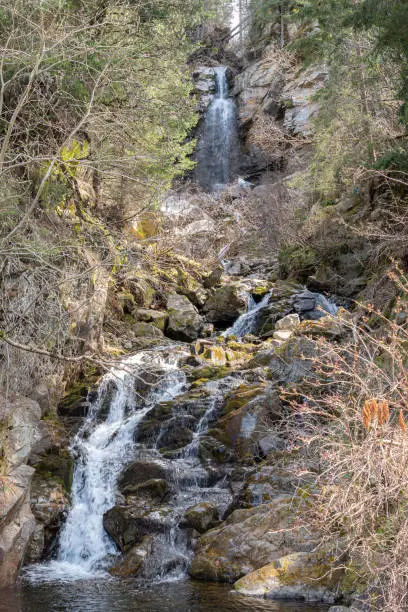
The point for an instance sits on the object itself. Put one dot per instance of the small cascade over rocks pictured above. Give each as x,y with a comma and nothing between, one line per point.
218,146
247,322
138,473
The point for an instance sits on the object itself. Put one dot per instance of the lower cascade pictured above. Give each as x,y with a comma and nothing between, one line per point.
112,439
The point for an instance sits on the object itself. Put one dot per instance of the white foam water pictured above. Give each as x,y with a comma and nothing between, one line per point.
103,448
246,323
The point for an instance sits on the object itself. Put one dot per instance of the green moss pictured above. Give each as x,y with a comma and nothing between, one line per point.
298,261
58,467
210,373
240,397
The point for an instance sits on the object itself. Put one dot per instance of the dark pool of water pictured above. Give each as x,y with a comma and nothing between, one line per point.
123,596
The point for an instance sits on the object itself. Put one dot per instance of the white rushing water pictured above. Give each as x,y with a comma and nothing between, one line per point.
218,145
103,448
246,323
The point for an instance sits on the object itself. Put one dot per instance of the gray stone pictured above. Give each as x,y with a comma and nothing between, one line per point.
200,517
24,431
185,323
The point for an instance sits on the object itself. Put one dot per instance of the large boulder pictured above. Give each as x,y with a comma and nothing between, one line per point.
300,576
248,540
185,322
226,304
128,525
248,414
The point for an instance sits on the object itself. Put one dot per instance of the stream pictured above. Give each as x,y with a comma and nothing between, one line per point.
127,440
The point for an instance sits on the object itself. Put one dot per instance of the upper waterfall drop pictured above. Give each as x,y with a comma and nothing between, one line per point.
218,145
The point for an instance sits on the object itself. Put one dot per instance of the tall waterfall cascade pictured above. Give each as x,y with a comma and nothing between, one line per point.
218,146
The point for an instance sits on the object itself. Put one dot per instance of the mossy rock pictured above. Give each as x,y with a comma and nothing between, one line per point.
239,397
74,403
308,576
209,373
201,517
298,262
154,490
56,465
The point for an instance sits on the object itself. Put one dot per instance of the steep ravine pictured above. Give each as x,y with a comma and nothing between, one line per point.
179,466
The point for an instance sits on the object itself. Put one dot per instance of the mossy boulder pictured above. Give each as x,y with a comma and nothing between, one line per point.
150,492
200,517
75,401
140,472
141,289
240,396
129,525
157,318
185,323
209,373
298,262
248,414
248,540
132,562
226,304
147,330
306,576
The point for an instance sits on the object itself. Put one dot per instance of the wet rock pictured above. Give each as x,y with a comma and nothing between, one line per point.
246,419
49,502
185,323
128,525
133,561
313,306
248,540
226,304
211,449
151,492
201,517
75,402
176,434
301,576
139,472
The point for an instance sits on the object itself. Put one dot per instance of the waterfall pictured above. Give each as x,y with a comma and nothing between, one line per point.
246,323
103,447
218,145
108,442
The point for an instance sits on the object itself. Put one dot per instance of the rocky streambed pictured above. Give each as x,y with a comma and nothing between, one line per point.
180,467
